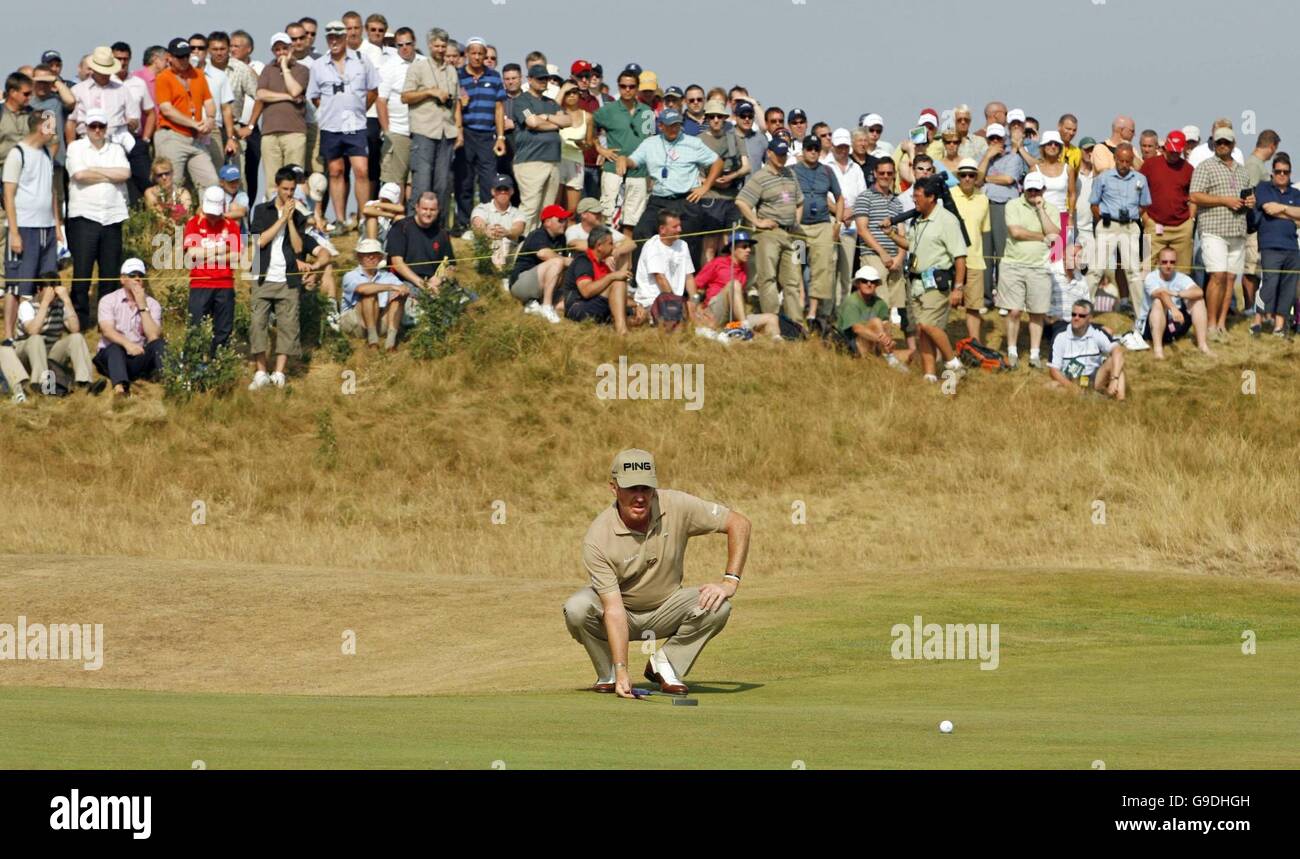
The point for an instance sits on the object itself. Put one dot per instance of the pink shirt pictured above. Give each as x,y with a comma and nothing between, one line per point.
114,99
147,75
118,308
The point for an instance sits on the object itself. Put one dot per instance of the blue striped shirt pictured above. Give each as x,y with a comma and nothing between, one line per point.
1117,195
479,114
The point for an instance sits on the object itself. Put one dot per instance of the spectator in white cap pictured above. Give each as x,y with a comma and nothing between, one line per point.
130,331
212,245
1024,283
1018,131
282,107
379,214
1056,182
98,170
874,124
864,320
973,207
852,183
374,299
1003,167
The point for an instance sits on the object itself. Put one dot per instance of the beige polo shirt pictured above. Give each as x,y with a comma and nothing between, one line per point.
647,567
428,118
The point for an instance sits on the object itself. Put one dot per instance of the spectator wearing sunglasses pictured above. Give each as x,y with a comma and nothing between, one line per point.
1277,211
98,170
693,116
627,123
282,107
1084,358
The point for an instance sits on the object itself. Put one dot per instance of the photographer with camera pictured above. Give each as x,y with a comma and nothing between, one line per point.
1120,198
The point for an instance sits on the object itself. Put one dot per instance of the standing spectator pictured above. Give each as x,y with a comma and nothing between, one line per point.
104,91
166,197
574,142
394,115
1203,150
32,212
1002,167
243,86
186,114
1222,193
50,93
1257,173
852,184
1277,209
590,100
823,210
973,207
755,140
538,121
1122,129
1169,221
1025,284
1173,297
626,123
284,246
540,265
47,331
1120,197
431,92
1084,236
1148,145
1056,187
282,107
719,204
142,137
220,144
212,245
772,202
874,206
343,85
371,46
154,61
130,331
968,146
241,49
98,170
482,105
302,37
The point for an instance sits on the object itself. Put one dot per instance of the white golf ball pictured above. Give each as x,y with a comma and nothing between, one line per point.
945,727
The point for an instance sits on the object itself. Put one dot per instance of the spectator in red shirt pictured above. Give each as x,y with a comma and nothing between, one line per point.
723,280
1172,216
212,246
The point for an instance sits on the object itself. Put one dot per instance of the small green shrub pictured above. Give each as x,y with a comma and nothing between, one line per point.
189,368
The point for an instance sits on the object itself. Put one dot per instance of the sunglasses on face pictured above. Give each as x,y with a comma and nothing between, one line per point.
404,44
377,30
162,175
1281,172
967,175
97,126
25,93
694,101
627,86
1080,315
876,129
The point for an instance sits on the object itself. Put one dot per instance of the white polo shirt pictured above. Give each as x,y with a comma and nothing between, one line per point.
672,261
1174,287
1090,350
102,202
392,77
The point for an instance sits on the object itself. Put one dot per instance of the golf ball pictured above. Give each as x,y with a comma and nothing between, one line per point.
945,727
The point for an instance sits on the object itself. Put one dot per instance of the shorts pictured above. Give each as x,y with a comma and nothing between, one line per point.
972,293
339,144
719,213
636,195
396,161
930,308
571,174
1223,255
1173,330
350,324
1021,287
527,288
719,307
38,261
595,308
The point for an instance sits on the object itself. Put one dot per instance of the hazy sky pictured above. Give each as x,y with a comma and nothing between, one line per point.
1166,63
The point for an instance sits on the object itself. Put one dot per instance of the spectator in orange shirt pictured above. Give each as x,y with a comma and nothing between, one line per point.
186,115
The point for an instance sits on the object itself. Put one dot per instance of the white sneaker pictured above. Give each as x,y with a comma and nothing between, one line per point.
1133,342
548,313
260,380
533,308
706,333
467,236
277,379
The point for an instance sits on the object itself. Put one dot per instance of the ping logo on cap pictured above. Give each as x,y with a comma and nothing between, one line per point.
638,466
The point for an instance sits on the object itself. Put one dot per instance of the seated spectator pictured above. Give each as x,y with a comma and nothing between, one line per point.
540,264
47,330
284,248
723,280
591,216
228,177
1174,297
1084,357
500,221
374,299
379,214
419,249
864,320
592,290
665,275
130,341
166,197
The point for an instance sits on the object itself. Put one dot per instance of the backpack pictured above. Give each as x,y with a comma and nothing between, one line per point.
973,353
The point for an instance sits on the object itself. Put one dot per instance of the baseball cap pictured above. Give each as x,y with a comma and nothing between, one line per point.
779,146
554,211
674,92
745,108
1052,137
277,38
134,265
179,47
553,72
738,237
928,117
1224,133
317,185
96,114
537,70
715,107
634,467
390,192
968,164
56,57
588,204
44,76
995,129
228,172
473,40
634,68
812,142
670,117
869,119
1191,132
796,115
866,273
1015,115
598,70
1035,181
503,181
214,201
369,246
580,67
841,137
1175,141
1087,143
335,28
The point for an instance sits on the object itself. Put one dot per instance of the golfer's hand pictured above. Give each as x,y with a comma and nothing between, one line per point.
712,596
623,685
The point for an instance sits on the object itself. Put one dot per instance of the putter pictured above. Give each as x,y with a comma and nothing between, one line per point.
678,700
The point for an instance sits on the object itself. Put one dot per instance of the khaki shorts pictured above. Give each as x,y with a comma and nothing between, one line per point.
931,308
636,195
719,307
571,174
972,293
396,163
1023,288
1223,255
351,325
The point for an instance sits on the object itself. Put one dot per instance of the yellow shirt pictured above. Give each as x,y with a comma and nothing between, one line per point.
974,211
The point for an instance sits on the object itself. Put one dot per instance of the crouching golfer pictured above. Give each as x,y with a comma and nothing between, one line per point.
634,551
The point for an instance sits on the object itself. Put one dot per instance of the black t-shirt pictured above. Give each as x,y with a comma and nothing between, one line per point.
421,248
580,269
537,240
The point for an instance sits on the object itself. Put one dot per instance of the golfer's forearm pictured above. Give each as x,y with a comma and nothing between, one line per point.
738,528
616,635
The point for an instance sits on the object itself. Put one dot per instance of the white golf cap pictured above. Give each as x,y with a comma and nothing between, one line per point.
1015,115
214,200
1051,137
995,129
96,114
968,164
841,137
1223,132
476,40
134,265
390,192
369,246
1035,181
866,273
871,119
317,184
1191,132
928,117
277,38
